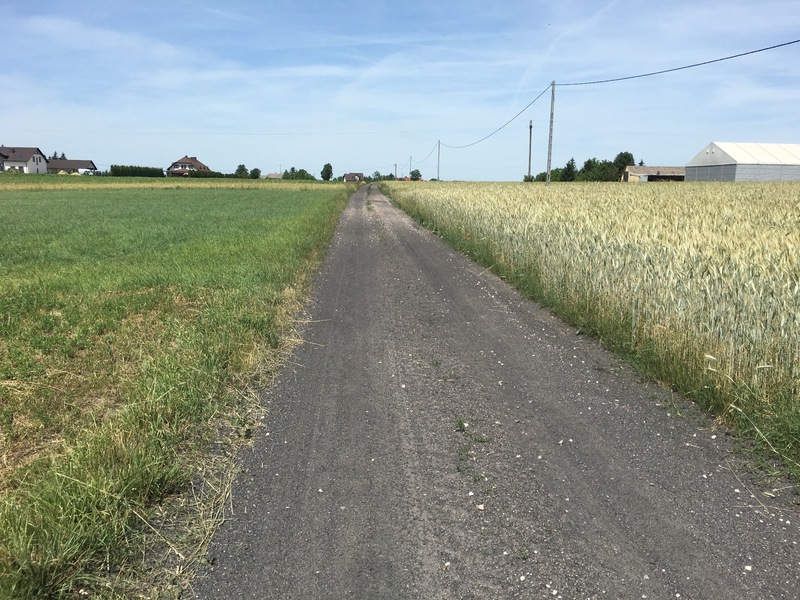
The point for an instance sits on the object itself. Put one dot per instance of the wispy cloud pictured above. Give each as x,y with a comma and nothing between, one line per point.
361,84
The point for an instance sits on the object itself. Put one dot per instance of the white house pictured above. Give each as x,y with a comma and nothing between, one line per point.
25,160
729,161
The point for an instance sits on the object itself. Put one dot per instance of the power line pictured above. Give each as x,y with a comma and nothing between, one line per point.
503,126
700,64
435,146
582,83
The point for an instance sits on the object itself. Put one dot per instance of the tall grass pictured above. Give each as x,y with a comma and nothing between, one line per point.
698,283
130,317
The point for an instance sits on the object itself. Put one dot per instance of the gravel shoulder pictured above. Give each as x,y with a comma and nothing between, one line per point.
437,436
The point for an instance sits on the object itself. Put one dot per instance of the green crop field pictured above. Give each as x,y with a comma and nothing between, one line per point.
697,283
134,317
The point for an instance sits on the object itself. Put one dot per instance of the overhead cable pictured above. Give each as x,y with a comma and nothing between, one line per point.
419,162
700,64
503,126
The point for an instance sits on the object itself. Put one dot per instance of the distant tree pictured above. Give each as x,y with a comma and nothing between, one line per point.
255,174
208,174
641,163
415,175
298,174
241,172
592,169
528,178
62,157
55,155
135,171
327,172
569,172
376,176
622,160
598,170
555,175
589,165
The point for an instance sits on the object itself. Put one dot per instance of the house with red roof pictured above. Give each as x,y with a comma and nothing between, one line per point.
182,166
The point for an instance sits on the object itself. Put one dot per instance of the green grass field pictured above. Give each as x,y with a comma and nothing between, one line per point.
134,316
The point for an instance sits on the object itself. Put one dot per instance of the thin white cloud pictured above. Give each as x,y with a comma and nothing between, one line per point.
378,82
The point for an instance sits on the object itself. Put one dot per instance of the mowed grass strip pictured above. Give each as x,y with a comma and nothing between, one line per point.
130,319
699,284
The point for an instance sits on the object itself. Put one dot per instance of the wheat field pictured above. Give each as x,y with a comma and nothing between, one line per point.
702,280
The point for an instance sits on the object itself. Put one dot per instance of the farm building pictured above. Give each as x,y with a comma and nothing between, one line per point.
81,167
353,177
24,160
182,166
635,173
729,161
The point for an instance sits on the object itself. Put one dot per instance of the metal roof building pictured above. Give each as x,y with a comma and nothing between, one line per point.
729,161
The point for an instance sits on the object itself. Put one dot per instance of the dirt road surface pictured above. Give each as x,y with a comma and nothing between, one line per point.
437,436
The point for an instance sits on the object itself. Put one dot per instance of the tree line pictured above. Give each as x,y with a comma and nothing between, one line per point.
592,170
241,172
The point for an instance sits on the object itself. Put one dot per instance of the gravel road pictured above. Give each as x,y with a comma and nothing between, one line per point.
437,436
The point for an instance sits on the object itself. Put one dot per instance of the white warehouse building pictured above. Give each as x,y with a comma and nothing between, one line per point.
730,161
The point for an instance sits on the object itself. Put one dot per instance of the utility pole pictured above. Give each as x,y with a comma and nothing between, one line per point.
409,167
438,158
550,139
530,144
395,170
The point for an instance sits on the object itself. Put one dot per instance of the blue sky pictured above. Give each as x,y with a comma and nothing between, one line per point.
370,85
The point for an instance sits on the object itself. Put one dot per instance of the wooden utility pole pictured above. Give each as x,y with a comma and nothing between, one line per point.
438,158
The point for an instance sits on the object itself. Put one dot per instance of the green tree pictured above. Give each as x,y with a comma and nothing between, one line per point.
623,159
598,170
327,172
241,172
298,174
589,166
415,175
569,172
255,174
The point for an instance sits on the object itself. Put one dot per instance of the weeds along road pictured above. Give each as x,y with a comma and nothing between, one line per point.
436,436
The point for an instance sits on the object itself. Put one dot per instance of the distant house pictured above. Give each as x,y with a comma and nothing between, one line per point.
181,167
81,167
25,160
635,173
354,177
731,161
